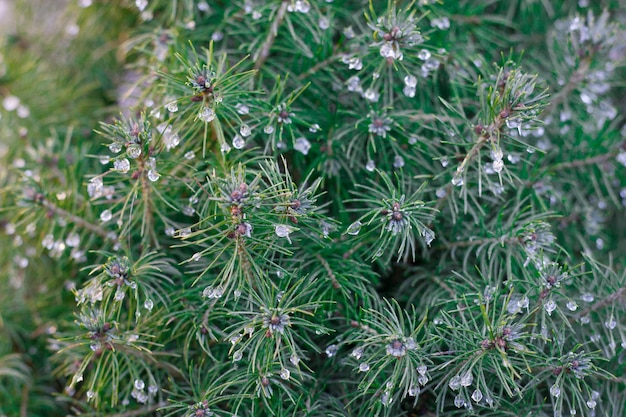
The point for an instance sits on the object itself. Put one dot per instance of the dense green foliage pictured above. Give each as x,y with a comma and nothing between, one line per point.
313,208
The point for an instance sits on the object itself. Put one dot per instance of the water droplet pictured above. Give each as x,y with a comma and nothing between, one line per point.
237,356
467,379
550,306
428,235
242,108
457,181
498,165
294,359
477,395
555,391
398,162
386,398
357,353
190,155
285,374
172,107
331,351
238,142
592,403
106,215
364,367
245,131
424,54
455,383
153,175
571,305
206,114
196,257
139,384
122,165
269,129
133,151
611,323
410,80
90,394
115,147
370,165
354,228
459,401
148,304
587,297
422,369
302,145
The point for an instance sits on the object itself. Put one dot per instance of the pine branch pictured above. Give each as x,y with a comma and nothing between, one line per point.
264,52
616,296
79,221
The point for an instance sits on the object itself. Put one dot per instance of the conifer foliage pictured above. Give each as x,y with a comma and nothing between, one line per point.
313,208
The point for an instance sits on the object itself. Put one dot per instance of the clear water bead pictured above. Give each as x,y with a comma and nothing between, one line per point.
571,305
357,353
153,175
457,181
238,142
294,359
172,107
592,403
410,80
122,165
354,228
302,145
550,306
459,401
115,147
237,356
477,395
555,391
245,131
611,323
189,155
428,236
498,165
269,129
285,374
148,304
587,297
467,379
331,351
398,162
90,394
422,369
282,230
206,114
133,151
370,166
424,54
364,367
106,215
455,383
196,256
139,384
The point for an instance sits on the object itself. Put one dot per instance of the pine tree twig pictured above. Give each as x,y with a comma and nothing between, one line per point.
333,57
264,52
79,221
619,294
24,403
352,250
598,159
577,77
476,242
148,218
331,274
141,411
